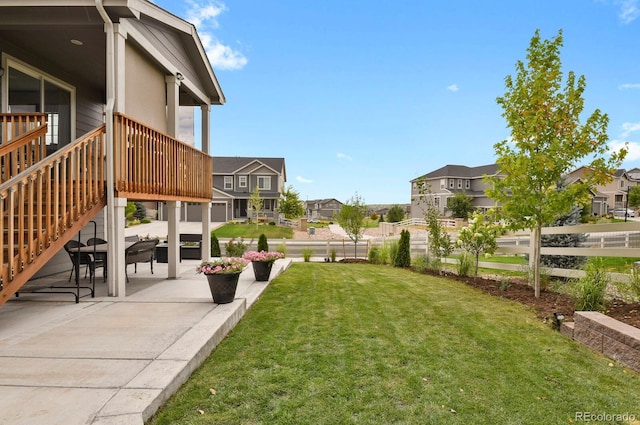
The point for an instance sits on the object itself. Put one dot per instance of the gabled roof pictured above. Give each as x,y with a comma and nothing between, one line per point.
321,201
227,165
44,27
462,171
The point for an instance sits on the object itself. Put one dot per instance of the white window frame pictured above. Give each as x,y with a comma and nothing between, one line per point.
443,183
467,184
264,182
242,181
452,183
228,182
459,183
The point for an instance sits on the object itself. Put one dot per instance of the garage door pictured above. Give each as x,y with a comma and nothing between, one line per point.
219,212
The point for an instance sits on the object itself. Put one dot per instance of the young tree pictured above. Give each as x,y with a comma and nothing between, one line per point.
479,237
460,205
395,214
256,203
290,204
351,218
439,241
547,141
634,197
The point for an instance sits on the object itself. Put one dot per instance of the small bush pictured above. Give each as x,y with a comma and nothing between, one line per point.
263,245
235,248
140,212
374,255
589,291
145,221
505,283
306,254
215,246
403,256
333,255
465,264
282,248
392,251
421,263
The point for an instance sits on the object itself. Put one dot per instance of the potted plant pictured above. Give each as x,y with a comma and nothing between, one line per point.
222,275
262,262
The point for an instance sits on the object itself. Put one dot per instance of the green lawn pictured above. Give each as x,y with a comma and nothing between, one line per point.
332,343
251,231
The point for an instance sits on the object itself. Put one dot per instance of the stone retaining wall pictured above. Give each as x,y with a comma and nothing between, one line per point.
614,339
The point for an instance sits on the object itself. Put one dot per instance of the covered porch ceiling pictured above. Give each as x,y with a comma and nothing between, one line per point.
73,38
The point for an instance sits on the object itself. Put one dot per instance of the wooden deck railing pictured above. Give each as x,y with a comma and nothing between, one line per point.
42,203
150,165
22,152
15,125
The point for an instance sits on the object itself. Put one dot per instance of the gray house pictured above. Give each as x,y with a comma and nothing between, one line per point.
234,178
322,209
444,182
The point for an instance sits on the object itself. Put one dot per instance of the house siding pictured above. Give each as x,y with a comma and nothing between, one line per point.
145,91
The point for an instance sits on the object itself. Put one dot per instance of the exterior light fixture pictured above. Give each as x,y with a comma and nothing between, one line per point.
179,76
76,42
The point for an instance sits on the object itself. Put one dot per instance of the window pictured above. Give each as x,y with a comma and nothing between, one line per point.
621,183
459,184
451,183
31,90
443,182
242,181
436,201
264,182
467,184
228,182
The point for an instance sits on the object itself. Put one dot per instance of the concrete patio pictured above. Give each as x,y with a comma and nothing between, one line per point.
112,361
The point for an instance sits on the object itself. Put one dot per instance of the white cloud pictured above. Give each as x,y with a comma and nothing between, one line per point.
628,128
629,10
629,86
199,14
341,155
203,14
633,149
453,88
303,180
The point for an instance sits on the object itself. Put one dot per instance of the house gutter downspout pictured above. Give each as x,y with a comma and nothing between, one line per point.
110,182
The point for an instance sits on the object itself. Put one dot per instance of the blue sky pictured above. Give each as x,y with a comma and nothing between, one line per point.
361,96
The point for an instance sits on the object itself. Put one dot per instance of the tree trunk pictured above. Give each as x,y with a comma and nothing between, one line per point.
537,241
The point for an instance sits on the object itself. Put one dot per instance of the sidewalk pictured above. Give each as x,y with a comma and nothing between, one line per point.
112,361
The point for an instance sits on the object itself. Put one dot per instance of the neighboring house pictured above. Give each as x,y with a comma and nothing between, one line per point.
234,179
610,196
443,184
322,209
94,91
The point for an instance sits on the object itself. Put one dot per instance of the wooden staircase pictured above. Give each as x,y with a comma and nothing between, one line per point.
44,200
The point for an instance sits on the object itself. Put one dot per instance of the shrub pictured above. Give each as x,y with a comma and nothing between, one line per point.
403,256
235,248
505,283
374,255
215,246
465,263
282,248
145,221
306,254
392,250
263,245
140,212
421,263
590,290
333,255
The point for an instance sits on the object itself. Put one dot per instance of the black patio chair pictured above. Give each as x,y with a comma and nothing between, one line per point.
82,259
100,257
